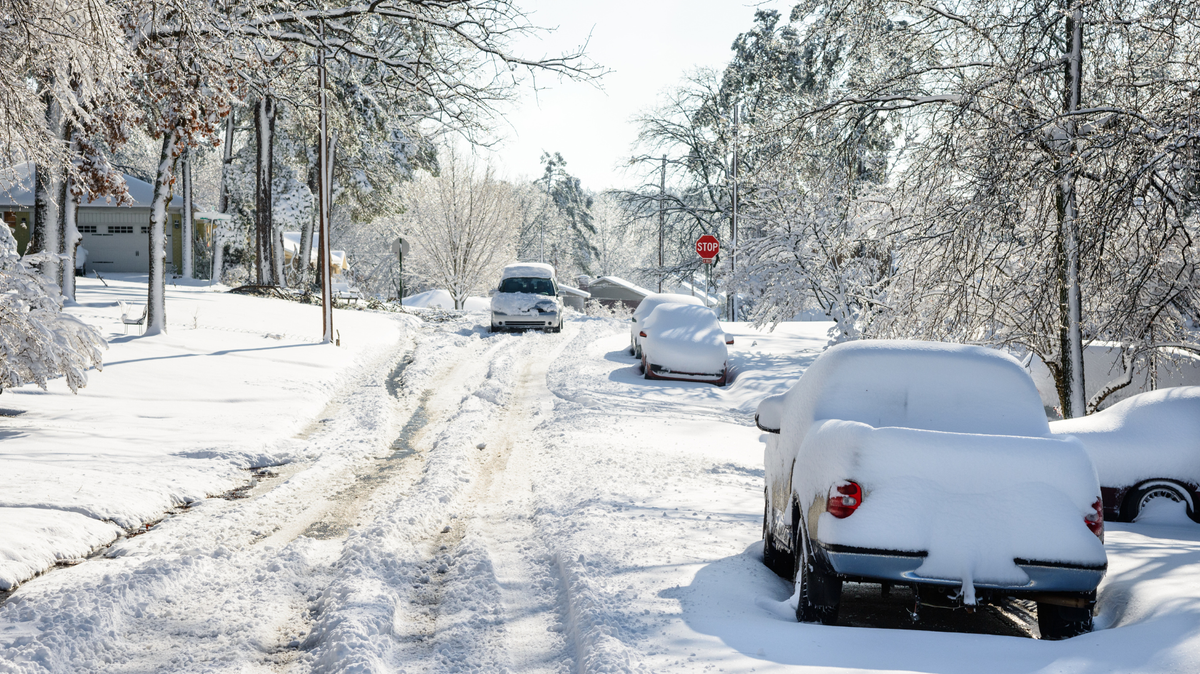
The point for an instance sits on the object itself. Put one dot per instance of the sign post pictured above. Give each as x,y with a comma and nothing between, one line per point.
400,248
707,247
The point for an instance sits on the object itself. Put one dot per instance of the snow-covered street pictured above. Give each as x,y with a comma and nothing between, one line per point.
432,497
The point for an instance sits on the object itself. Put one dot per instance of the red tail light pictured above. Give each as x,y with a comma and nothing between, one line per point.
844,499
1095,519
642,333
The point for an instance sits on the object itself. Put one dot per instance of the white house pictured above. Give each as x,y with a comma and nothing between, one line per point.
116,237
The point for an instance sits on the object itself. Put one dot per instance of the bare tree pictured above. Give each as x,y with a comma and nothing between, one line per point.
463,225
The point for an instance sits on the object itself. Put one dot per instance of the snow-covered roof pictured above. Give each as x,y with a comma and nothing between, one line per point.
528,270
934,386
568,290
291,244
19,191
624,284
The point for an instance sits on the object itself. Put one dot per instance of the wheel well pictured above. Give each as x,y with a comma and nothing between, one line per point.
1180,487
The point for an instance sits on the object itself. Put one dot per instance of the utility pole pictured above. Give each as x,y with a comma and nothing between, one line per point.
324,174
732,312
662,192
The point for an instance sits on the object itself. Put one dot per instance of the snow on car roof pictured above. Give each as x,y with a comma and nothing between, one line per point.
927,385
1152,434
528,270
652,301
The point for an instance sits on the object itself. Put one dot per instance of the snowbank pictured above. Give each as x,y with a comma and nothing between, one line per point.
1155,434
685,338
439,299
171,419
523,304
528,270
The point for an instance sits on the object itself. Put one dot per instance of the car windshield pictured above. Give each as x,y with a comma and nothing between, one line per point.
533,286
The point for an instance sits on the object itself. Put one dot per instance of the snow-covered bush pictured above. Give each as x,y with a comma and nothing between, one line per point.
38,342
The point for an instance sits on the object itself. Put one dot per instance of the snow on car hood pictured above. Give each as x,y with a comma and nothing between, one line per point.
685,338
974,503
1153,434
523,304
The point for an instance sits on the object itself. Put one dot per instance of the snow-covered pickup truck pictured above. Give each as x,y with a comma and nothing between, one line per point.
929,465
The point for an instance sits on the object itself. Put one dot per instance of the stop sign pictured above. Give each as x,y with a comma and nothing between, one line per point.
707,247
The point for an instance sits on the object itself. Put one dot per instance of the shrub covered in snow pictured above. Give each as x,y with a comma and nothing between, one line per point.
37,340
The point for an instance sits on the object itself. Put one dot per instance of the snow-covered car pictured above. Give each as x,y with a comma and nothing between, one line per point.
1145,448
647,305
684,342
929,465
527,299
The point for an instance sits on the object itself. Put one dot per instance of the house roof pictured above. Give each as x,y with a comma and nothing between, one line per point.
613,280
574,291
16,189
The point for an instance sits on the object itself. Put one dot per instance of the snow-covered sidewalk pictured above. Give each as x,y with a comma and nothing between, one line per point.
171,419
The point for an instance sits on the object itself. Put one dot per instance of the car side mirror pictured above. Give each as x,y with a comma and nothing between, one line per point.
491,292
633,320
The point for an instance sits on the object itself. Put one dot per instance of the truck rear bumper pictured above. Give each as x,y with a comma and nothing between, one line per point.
901,567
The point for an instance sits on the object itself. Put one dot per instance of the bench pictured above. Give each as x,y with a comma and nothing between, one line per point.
127,319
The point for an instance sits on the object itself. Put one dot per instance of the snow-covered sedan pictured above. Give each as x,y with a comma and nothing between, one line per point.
1146,449
929,465
684,342
527,298
647,305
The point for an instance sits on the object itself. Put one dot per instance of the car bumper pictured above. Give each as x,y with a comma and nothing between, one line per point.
660,372
901,567
526,322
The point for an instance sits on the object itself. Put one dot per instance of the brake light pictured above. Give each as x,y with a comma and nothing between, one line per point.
1095,519
844,499
642,333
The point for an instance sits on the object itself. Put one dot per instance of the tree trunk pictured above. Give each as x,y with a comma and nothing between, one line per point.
156,316
1073,396
69,238
47,185
186,231
264,231
223,206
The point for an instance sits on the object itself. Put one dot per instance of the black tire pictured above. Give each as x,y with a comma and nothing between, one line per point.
1141,496
820,594
1063,622
775,559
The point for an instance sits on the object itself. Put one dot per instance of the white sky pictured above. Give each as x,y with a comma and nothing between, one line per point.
648,45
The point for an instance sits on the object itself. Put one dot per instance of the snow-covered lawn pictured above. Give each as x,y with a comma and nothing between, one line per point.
460,501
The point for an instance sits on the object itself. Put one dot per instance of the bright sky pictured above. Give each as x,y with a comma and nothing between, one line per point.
648,45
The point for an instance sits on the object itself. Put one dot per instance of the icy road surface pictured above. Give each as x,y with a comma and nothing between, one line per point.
528,503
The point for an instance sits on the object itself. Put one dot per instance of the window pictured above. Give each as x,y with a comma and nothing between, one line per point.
120,229
145,229
534,286
87,229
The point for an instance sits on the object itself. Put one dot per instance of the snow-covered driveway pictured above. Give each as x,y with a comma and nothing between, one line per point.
472,502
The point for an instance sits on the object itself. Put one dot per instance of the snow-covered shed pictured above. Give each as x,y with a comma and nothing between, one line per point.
573,297
116,237
613,292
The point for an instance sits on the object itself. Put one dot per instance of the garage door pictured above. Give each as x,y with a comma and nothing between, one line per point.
116,239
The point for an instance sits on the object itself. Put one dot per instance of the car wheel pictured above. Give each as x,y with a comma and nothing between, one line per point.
818,594
1141,496
1063,622
646,368
632,349
774,558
